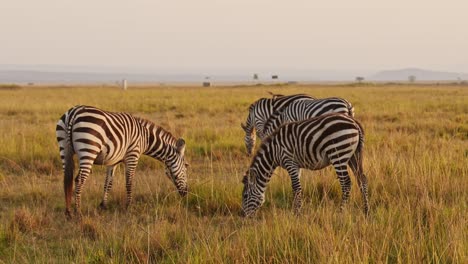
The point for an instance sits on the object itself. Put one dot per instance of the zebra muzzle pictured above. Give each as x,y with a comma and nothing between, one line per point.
183,192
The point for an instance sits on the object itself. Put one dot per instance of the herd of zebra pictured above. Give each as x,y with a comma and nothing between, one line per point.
297,131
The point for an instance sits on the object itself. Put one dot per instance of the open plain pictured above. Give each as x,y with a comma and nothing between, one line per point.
415,157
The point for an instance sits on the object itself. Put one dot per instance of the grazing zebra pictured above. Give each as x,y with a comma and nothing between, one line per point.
107,138
332,139
260,111
304,109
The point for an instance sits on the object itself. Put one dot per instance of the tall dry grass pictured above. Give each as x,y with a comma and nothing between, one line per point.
416,156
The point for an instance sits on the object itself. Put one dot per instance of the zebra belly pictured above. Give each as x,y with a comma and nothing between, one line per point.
107,159
101,160
322,163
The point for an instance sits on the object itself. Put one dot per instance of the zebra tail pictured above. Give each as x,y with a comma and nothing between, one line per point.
351,110
68,174
360,147
69,163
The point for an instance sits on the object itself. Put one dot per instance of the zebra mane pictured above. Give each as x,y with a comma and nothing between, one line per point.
151,125
252,105
144,121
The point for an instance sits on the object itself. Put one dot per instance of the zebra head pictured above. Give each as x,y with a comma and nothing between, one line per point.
176,167
249,129
252,196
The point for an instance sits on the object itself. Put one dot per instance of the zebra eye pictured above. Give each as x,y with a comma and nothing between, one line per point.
245,193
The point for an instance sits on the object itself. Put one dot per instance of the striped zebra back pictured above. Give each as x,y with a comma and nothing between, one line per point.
304,109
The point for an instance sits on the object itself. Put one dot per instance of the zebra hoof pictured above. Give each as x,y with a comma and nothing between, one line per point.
79,217
102,206
297,211
366,212
68,214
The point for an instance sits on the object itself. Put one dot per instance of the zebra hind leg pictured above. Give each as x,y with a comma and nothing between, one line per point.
345,182
79,182
356,166
107,186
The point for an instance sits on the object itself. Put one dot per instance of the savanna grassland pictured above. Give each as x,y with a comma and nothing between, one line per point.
416,160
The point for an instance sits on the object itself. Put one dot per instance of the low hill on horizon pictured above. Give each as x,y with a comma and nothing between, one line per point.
419,74
91,75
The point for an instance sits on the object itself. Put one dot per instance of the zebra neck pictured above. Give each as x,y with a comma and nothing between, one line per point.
160,143
264,163
275,121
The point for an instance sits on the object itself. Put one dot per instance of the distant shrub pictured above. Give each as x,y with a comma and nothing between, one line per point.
10,87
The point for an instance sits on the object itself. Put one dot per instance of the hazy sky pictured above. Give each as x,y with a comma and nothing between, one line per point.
237,34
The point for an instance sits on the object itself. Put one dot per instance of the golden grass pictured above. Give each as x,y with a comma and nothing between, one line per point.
416,157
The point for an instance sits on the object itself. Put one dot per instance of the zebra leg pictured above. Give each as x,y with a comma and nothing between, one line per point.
107,186
345,182
130,166
80,180
356,166
295,174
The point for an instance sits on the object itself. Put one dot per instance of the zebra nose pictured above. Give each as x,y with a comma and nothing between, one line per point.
242,213
183,192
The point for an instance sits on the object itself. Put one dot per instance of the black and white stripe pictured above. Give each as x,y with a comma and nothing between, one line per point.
107,138
332,139
260,111
304,109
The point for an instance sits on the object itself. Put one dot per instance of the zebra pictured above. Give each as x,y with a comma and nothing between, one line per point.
305,109
260,111
108,138
332,139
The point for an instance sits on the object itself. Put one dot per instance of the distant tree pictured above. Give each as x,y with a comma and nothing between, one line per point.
255,76
411,78
359,79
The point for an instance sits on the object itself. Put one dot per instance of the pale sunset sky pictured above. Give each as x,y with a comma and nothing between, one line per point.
242,34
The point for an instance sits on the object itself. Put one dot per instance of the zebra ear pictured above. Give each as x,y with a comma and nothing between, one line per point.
245,179
180,146
275,95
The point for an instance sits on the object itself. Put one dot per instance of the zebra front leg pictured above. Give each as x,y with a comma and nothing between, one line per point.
130,166
295,174
107,186
345,182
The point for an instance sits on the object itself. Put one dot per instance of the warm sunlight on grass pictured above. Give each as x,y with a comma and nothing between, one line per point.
416,156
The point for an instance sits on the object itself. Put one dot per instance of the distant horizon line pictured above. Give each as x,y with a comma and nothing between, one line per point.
201,69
